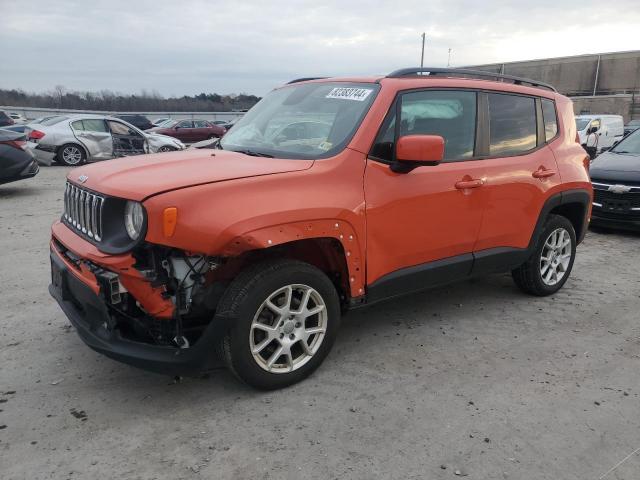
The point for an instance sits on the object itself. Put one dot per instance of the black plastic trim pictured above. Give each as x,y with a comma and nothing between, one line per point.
464,73
305,79
420,277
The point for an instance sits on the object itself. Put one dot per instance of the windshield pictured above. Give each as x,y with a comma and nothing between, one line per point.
582,123
306,121
630,144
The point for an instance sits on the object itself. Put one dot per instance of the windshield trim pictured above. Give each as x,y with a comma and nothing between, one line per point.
336,150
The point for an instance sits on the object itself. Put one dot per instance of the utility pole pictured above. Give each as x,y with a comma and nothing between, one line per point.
424,36
449,59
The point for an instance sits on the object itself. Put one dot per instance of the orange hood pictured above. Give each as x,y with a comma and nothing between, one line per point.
139,177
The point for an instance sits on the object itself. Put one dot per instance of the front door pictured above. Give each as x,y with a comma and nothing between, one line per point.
95,136
422,226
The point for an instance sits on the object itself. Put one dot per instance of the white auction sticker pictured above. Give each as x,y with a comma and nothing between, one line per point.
350,93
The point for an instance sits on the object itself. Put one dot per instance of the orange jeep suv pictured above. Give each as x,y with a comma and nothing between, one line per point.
329,194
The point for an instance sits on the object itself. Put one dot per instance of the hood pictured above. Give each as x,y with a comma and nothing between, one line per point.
160,136
139,177
616,167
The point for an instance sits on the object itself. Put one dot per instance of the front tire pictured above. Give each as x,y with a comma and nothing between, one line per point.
550,264
166,148
285,316
71,155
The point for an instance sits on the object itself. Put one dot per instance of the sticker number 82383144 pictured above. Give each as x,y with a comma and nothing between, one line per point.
350,93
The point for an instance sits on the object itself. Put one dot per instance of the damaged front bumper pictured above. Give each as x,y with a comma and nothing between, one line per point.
85,298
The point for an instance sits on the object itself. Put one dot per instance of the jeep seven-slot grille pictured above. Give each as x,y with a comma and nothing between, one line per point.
83,210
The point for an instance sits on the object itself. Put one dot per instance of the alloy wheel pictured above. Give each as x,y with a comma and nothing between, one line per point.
555,257
288,328
71,155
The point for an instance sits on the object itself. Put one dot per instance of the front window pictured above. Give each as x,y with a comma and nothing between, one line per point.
309,121
450,114
630,145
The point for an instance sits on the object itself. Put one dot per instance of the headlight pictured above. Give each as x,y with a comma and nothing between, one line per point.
133,219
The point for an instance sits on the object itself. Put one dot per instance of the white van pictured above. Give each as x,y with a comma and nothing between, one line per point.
609,129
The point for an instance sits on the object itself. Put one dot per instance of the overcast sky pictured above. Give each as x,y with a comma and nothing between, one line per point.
190,46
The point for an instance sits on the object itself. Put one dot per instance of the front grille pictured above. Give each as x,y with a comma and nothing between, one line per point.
83,211
607,203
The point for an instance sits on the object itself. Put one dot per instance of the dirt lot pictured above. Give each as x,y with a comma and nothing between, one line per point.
475,378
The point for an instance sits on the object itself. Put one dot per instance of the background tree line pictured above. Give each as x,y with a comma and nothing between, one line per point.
145,101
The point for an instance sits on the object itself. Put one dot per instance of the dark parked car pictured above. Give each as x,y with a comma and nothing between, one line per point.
5,119
190,131
17,128
140,121
616,185
16,162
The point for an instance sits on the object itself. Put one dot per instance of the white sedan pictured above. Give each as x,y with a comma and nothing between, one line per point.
76,139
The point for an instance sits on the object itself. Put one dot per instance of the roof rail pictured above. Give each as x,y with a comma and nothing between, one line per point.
304,79
461,72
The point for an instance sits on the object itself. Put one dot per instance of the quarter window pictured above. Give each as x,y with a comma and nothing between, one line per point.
450,114
550,119
512,124
77,125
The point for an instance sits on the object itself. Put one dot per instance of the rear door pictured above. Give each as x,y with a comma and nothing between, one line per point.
520,173
95,136
422,225
184,131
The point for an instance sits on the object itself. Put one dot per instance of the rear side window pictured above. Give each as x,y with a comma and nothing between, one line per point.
512,124
77,125
94,125
450,114
200,124
185,124
550,119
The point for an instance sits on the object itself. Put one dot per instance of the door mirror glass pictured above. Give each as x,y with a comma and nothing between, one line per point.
415,150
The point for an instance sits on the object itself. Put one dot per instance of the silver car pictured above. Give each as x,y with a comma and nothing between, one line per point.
76,139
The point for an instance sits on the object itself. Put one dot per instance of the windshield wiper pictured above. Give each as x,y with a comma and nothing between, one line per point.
253,153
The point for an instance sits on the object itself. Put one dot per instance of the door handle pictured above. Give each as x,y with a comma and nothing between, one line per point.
465,184
543,173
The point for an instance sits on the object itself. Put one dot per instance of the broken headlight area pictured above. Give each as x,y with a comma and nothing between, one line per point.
137,306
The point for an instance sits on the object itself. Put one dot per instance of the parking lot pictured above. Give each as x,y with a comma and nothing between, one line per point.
474,379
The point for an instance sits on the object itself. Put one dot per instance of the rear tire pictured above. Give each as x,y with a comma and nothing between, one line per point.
284,316
71,155
166,148
550,264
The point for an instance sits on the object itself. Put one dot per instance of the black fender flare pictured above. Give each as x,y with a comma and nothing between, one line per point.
575,196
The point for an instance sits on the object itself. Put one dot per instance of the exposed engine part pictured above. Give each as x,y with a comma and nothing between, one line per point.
188,273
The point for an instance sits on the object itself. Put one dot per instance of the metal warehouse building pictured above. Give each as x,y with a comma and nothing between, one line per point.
598,83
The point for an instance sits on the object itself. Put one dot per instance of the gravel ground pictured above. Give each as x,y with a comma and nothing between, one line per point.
474,379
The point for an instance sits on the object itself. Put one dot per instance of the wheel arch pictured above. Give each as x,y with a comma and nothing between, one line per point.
574,205
331,245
